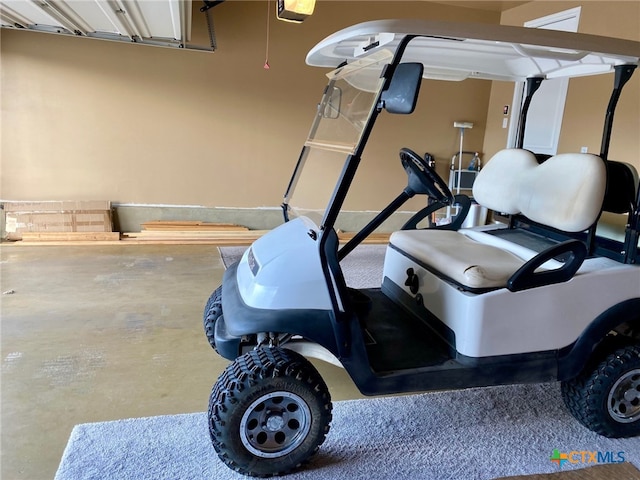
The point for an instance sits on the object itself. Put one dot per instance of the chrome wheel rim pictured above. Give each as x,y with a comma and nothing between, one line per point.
624,398
275,424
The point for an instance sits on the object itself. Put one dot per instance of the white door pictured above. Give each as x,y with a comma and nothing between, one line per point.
544,119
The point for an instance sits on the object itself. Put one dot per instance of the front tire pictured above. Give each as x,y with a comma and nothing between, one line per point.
607,399
212,311
269,412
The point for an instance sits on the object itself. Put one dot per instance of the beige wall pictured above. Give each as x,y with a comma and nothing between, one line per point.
587,98
90,119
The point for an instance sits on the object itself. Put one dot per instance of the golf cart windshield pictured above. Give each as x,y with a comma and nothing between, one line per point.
363,86
347,103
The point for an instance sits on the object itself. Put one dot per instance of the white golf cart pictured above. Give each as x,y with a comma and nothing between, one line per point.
538,298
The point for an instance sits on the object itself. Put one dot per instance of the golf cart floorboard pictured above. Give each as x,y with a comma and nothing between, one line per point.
396,340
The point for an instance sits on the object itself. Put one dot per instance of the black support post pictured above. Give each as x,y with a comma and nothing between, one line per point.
623,74
533,84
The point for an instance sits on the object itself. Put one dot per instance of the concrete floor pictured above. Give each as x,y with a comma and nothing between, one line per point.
96,333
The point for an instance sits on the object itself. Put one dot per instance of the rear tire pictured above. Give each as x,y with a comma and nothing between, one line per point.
269,412
606,399
212,311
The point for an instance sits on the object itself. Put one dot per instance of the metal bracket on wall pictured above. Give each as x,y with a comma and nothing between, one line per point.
208,5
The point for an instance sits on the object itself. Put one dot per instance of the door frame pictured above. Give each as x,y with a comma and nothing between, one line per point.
518,91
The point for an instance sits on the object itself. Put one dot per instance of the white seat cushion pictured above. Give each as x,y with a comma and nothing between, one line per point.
565,192
498,184
524,253
463,260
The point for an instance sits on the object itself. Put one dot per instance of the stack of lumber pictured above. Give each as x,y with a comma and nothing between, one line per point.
221,234
193,232
59,221
67,223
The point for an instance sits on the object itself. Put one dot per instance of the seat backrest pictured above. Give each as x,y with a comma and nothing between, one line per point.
565,192
622,184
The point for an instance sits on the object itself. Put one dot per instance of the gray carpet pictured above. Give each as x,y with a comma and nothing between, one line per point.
472,434
362,268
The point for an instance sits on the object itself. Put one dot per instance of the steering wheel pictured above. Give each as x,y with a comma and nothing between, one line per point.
423,178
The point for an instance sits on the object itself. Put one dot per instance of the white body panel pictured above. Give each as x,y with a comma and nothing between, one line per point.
501,322
288,273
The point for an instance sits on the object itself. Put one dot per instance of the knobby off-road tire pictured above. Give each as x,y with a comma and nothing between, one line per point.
606,399
212,311
269,412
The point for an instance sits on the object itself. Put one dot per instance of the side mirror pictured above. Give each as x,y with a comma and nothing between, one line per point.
402,95
331,102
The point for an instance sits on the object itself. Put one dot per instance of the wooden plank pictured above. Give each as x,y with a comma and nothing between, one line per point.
64,243
220,242
69,236
188,225
172,222
228,237
133,242
195,228
196,233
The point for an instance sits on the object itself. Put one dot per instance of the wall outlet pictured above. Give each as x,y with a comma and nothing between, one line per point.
584,150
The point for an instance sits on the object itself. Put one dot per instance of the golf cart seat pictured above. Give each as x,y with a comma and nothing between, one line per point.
565,193
622,186
619,201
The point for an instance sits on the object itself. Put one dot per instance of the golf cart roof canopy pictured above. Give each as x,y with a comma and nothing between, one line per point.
456,51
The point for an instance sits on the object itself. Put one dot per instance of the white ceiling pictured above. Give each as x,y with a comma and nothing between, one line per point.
156,22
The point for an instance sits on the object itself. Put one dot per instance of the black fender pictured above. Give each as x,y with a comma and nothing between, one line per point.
239,319
573,358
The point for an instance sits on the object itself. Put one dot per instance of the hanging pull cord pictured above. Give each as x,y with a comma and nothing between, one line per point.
266,54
